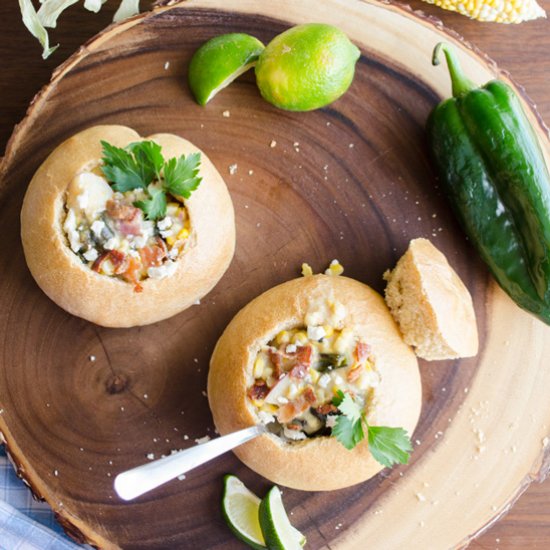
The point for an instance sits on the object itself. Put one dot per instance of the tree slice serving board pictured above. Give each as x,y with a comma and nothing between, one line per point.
80,403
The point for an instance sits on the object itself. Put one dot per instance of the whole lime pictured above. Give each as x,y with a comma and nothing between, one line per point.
306,67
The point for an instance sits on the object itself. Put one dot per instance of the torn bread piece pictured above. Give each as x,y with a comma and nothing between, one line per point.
431,304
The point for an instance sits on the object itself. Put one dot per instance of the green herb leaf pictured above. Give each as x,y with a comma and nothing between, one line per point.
348,407
120,168
348,432
155,207
180,175
389,445
148,156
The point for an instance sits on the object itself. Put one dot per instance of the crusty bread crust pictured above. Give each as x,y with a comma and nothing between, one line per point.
109,301
321,463
431,305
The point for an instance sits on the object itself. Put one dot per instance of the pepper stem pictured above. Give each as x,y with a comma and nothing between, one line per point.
461,84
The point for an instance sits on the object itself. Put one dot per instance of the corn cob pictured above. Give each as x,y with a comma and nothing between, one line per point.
498,11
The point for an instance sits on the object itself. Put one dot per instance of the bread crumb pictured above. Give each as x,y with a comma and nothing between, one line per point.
273,143
150,456
420,497
226,114
55,473
250,172
167,65
186,437
202,440
92,358
181,477
232,169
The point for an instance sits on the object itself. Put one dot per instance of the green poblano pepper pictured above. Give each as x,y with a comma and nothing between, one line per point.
491,167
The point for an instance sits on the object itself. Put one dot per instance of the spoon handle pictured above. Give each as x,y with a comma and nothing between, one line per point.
139,480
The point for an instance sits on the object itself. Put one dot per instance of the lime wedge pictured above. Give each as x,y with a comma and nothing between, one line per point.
240,510
220,61
276,528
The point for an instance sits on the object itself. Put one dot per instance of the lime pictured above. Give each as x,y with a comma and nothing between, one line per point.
306,67
240,510
276,528
220,61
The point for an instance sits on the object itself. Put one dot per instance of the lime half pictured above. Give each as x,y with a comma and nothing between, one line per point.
306,67
276,528
220,61
240,510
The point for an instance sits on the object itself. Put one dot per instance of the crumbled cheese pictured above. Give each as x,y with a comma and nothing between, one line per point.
265,417
91,255
316,332
324,380
295,435
163,271
282,400
291,348
97,227
165,223
111,244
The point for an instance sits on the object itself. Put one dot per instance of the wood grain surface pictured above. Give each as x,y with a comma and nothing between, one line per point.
523,50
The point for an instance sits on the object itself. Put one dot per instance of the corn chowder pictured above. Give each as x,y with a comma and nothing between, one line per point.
110,234
297,374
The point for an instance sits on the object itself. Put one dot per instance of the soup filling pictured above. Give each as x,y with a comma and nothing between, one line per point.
112,236
298,373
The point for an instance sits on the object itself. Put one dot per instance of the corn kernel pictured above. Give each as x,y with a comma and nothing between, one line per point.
329,331
300,338
183,234
259,365
282,338
171,240
306,270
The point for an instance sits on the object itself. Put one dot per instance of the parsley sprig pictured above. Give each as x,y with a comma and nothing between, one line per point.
141,165
388,446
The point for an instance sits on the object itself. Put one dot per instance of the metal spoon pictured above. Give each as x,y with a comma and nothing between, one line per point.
140,480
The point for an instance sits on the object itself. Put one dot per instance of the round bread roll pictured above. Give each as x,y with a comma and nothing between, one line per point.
321,462
431,305
109,300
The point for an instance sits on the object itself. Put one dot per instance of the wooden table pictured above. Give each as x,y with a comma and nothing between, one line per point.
522,50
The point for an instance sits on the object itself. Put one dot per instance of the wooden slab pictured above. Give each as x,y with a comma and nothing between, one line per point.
351,181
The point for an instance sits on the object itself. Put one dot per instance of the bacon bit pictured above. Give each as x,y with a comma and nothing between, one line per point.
119,260
291,410
276,359
354,374
294,427
303,355
128,217
309,395
152,255
133,272
120,211
361,352
259,390
96,266
327,408
299,371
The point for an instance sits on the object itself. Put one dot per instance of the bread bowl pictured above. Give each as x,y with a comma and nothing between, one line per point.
84,277
307,310
431,304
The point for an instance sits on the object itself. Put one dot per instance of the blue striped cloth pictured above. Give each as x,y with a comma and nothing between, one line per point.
26,524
